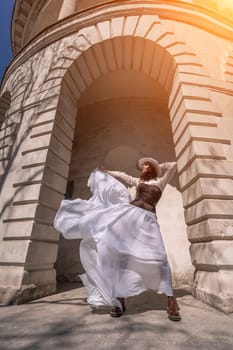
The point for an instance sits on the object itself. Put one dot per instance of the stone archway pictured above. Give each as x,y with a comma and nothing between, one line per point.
199,147
128,110
198,143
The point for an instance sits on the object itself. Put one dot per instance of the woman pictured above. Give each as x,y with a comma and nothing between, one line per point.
122,250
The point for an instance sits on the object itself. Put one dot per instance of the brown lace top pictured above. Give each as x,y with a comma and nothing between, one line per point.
147,196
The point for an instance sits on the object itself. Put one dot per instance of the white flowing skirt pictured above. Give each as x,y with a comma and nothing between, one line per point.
122,250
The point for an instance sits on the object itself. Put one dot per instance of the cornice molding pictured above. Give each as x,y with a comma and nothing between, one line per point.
78,21
176,10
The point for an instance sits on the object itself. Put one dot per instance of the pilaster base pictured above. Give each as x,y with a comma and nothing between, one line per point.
215,289
13,296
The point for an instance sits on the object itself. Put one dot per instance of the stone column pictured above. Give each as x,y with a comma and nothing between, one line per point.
34,188
68,8
206,183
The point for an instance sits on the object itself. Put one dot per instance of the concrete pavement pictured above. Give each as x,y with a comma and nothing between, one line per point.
64,321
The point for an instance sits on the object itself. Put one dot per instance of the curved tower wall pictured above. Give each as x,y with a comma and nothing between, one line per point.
179,58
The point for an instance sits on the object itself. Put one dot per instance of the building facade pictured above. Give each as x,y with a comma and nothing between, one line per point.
104,83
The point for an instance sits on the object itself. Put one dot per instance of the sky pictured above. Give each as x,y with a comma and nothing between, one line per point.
6,8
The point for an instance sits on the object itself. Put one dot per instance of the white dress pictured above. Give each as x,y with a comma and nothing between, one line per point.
122,250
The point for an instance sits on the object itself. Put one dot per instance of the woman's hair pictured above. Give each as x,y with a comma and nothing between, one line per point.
150,174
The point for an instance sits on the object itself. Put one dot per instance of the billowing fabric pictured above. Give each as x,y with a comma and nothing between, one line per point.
122,250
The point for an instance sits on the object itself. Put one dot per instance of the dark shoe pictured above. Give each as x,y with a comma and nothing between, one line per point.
173,310
116,312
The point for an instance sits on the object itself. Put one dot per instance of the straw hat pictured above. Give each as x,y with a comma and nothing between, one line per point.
152,161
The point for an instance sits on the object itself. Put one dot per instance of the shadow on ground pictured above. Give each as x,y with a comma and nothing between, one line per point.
64,321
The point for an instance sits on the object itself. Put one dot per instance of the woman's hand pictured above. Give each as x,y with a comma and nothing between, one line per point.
101,168
167,165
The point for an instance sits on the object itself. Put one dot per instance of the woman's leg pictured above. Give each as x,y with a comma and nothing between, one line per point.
173,309
166,287
117,311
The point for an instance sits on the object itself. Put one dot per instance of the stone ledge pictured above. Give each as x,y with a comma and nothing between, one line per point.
13,296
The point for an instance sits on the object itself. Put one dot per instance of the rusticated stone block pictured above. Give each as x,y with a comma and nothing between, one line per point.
35,158
93,67
27,193
29,229
213,255
157,63
54,180
130,25
60,149
45,214
37,143
109,54
206,168
197,70
145,24
199,106
27,175
211,229
187,91
41,253
202,133
215,289
14,252
100,58
163,76
118,51
39,277
127,55
208,188
59,165
75,73
200,149
15,212
90,34
192,119
11,276
11,295
44,117
137,56
215,208
37,192
117,24
104,29
67,109
148,56
82,66
8,131
65,138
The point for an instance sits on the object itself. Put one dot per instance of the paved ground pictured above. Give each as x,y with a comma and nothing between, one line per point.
64,321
